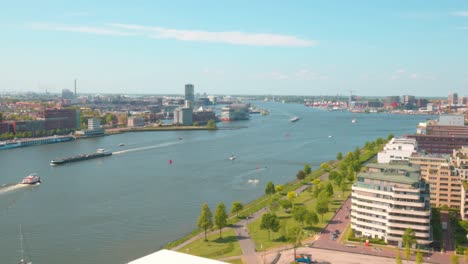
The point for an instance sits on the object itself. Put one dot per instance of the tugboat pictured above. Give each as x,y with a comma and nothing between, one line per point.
31,179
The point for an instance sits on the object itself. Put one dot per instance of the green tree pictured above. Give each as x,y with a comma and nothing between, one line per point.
270,222
307,169
329,189
398,257
291,196
325,166
236,207
419,257
195,123
390,136
299,214
286,204
333,174
270,188
343,187
322,206
279,188
205,220
300,175
339,156
211,124
338,179
311,218
407,251
409,237
220,217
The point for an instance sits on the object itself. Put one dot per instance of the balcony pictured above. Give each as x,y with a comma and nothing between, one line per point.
368,211
381,221
369,204
415,227
409,212
409,218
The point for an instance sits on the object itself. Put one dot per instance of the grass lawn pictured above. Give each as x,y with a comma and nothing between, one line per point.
287,222
235,261
215,247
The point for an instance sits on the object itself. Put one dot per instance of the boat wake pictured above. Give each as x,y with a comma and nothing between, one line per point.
11,187
162,145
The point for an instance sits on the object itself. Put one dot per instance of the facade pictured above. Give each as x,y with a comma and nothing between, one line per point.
387,200
451,120
60,119
235,112
183,116
135,122
443,179
397,149
453,99
94,128
441,139
190,93
464,203
202,115
459,160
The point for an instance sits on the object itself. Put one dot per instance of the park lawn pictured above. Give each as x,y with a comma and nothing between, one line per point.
235,261
287,222
215,247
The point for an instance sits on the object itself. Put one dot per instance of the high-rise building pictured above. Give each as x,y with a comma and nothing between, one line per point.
387,200
453,99
397,149
190,94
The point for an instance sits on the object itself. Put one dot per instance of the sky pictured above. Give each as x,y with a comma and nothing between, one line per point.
368,48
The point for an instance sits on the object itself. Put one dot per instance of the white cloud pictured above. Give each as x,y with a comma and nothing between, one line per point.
79,29
230,37
461,13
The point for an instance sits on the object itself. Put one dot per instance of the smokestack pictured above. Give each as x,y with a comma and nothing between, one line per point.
75,88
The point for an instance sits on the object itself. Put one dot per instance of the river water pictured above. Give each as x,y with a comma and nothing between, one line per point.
118,208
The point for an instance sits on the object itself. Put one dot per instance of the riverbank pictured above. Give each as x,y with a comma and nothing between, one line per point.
258,206
112,131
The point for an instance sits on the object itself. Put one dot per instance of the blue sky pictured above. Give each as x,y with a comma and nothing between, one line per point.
236,47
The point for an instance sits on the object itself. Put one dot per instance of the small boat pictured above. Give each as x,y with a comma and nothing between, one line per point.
232,157
294,119
122,144
31,179
180,138
354,121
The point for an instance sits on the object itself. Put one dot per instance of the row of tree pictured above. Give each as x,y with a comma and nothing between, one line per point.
205,220
36,133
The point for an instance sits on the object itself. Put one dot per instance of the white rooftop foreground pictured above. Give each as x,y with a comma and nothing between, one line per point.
164,256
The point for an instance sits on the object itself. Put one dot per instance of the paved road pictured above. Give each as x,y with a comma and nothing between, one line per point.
447,237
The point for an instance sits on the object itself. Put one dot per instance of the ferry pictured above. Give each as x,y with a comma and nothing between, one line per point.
31,179
294,119
98,154
25,142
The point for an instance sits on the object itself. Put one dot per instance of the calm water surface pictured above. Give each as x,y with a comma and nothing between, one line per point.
116,209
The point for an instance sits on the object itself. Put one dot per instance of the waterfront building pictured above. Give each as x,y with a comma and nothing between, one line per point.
453,99
135,122
388,199
60,118
436,138
202,115
459,160
443,179
94,128
235,112
184,115
190,93
397,149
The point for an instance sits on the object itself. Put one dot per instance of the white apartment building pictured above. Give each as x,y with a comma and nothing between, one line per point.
387,202
398,149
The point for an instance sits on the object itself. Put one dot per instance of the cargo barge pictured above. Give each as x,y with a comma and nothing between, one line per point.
98,154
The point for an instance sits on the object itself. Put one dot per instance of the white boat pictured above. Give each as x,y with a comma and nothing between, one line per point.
122,144
354,121
31,179
232,157
294,119
22,260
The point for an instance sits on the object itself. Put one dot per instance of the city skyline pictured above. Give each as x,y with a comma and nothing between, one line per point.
265,47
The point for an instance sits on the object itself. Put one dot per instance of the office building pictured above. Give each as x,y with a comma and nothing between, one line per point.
60,119
135,122
190,94
453,99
